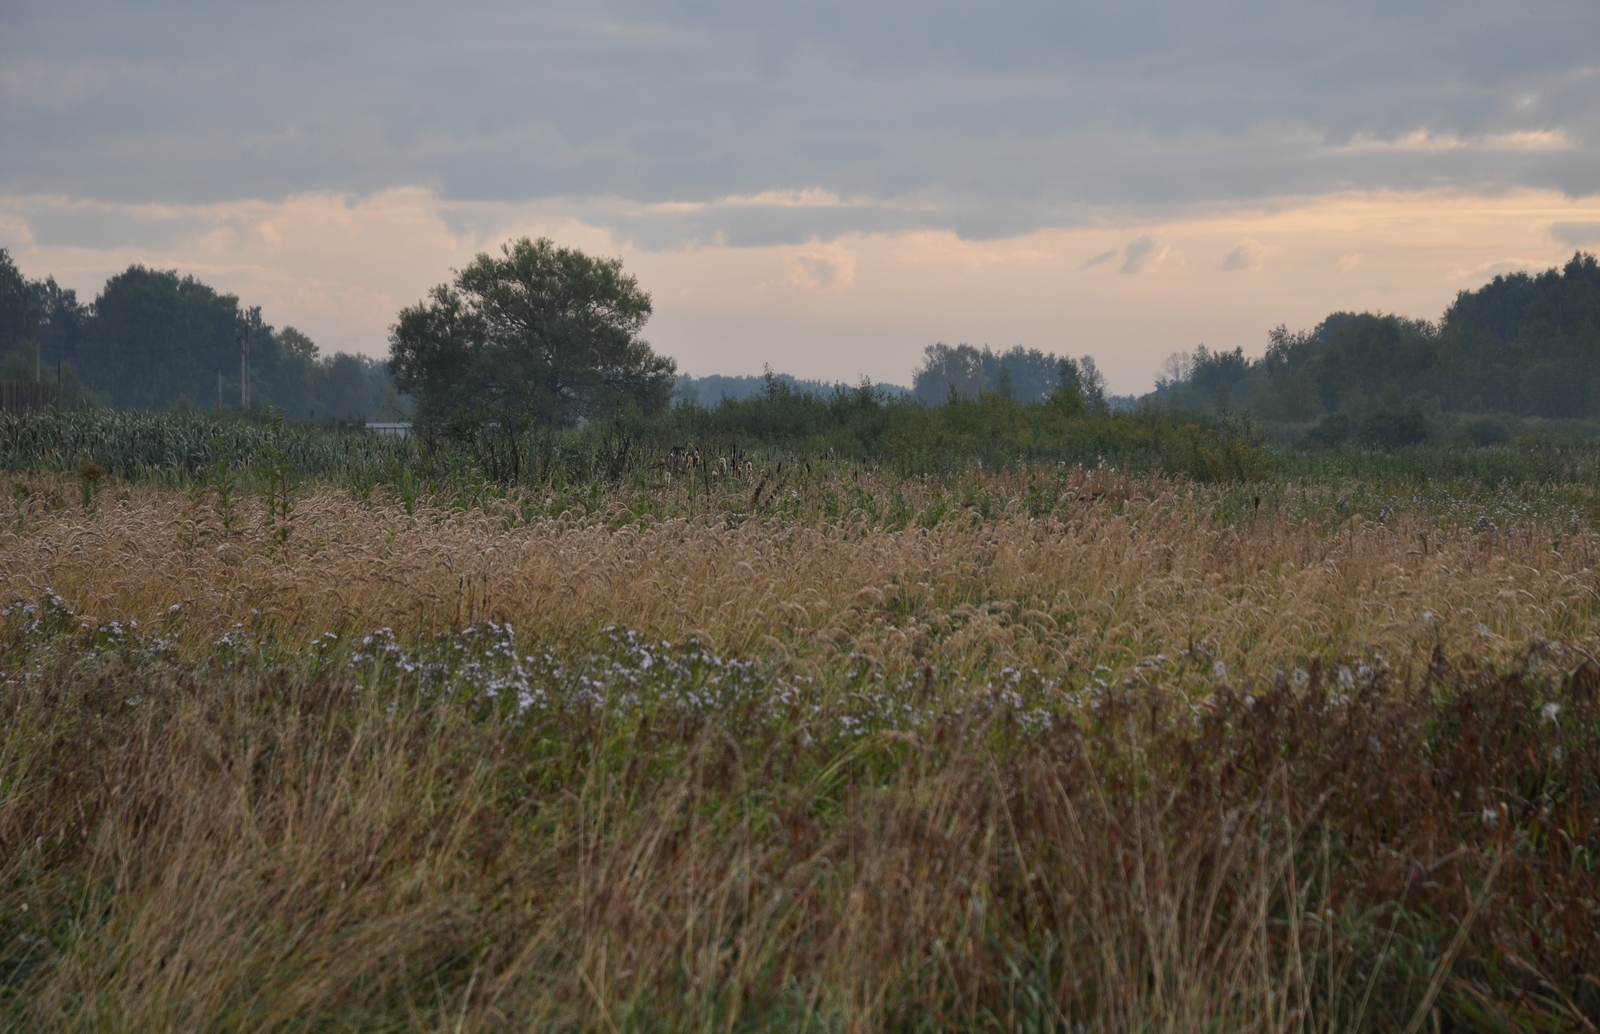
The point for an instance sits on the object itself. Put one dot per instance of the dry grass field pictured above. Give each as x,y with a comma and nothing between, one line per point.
1113,572
1049,752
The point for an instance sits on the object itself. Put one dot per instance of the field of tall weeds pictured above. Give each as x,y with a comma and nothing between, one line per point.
1051,749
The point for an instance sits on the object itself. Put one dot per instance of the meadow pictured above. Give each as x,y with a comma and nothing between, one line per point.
763,733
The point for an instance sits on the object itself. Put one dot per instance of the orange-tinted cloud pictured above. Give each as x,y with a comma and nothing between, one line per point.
339,268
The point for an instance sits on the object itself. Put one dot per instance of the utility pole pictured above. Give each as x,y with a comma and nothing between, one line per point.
244,369
219,387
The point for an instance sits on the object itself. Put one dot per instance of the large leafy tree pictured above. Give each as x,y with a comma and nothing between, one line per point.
156,337
536,337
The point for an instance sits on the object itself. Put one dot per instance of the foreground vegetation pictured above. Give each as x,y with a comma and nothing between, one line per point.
778,741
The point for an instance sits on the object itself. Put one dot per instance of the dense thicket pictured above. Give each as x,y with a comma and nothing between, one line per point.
901,431
154,340
1524,345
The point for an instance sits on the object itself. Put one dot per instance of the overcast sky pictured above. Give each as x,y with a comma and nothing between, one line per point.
825,187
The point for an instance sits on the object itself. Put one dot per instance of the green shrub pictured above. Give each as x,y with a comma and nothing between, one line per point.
1332,431
1486,430
1394,428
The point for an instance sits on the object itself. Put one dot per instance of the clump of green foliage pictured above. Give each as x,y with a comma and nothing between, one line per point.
536,339
903,434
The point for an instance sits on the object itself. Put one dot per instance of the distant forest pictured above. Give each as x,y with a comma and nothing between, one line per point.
155,340
1521,346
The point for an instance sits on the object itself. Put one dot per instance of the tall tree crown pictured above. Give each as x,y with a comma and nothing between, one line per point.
538,335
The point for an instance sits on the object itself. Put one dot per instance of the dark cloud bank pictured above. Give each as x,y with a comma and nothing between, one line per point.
985,118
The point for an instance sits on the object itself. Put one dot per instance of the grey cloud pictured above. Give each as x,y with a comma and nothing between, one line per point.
819,270
1137,256
1100,259
985,119
1244,256
1576,233
108,226
746,224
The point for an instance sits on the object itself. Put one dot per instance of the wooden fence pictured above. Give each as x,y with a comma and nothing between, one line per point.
16,396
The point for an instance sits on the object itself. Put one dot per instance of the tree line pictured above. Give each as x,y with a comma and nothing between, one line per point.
154,340
1522,346
541,337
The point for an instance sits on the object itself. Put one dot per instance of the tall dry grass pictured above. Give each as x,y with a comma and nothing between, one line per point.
265,836
1112,577
270,848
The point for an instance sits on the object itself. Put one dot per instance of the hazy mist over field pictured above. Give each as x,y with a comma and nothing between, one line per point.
826,188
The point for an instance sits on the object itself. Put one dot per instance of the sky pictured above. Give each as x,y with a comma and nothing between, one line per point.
825,187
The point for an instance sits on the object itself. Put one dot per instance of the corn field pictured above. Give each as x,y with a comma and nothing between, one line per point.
174,448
